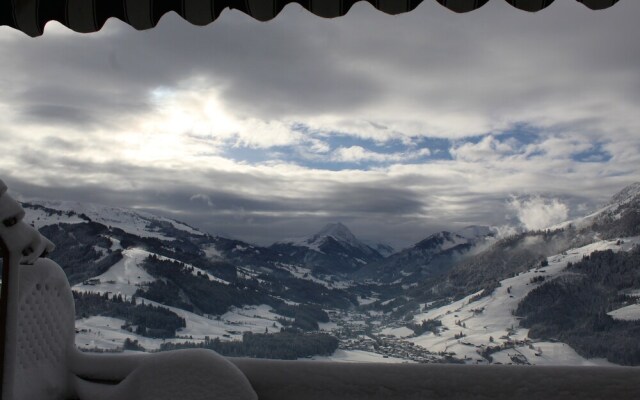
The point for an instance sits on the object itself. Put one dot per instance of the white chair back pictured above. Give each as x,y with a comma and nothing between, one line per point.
44,333
31,306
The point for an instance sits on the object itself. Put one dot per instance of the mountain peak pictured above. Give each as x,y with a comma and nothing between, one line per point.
338,231
627,194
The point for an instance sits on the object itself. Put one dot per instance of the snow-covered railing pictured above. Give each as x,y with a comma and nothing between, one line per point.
315,380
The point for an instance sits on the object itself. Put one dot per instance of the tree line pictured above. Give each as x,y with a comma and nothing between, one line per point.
143,319
281,345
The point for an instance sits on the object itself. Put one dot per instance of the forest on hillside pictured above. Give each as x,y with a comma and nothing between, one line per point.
573,308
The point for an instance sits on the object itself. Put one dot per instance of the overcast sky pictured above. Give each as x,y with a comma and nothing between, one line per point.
398,126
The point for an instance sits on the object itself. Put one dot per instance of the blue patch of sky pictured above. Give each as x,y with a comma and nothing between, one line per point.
252,155
439,147
302,154
523,133
519,136
595,154
526,134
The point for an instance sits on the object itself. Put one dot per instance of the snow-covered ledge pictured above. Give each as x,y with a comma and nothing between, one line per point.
311,380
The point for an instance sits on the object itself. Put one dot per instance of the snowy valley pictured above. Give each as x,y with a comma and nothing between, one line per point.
144,282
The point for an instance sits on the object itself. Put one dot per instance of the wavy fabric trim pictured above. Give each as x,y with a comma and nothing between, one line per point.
30,16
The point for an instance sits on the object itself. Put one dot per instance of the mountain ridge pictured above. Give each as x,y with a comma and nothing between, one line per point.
291,287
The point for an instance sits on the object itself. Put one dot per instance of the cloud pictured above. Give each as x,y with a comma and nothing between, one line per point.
282,126
488,148
537,212
425,73
202,198
358,154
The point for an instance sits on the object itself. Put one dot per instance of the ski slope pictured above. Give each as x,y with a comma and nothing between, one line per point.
123,278
127,276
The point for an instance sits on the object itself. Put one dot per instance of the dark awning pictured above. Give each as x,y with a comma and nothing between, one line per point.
30,16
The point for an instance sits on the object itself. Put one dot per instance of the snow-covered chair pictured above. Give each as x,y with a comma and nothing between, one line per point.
39,357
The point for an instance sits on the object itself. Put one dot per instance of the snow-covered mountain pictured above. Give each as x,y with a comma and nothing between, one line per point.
333,249
621,212
332,232
452,296
430,257
41,213
627,195
146,278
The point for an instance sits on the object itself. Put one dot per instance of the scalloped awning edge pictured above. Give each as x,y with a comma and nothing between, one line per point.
31,16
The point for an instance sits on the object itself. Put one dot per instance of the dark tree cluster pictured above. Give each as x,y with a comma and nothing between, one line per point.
164,292
202,294
615,270
305,316
627,224
537,279
305,291
132,345
179,287
427,325
148,320
281,345
573,309
76,249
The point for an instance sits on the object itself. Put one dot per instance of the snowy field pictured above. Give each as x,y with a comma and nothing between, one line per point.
358,356
105,332
489,320
628,313
401,332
